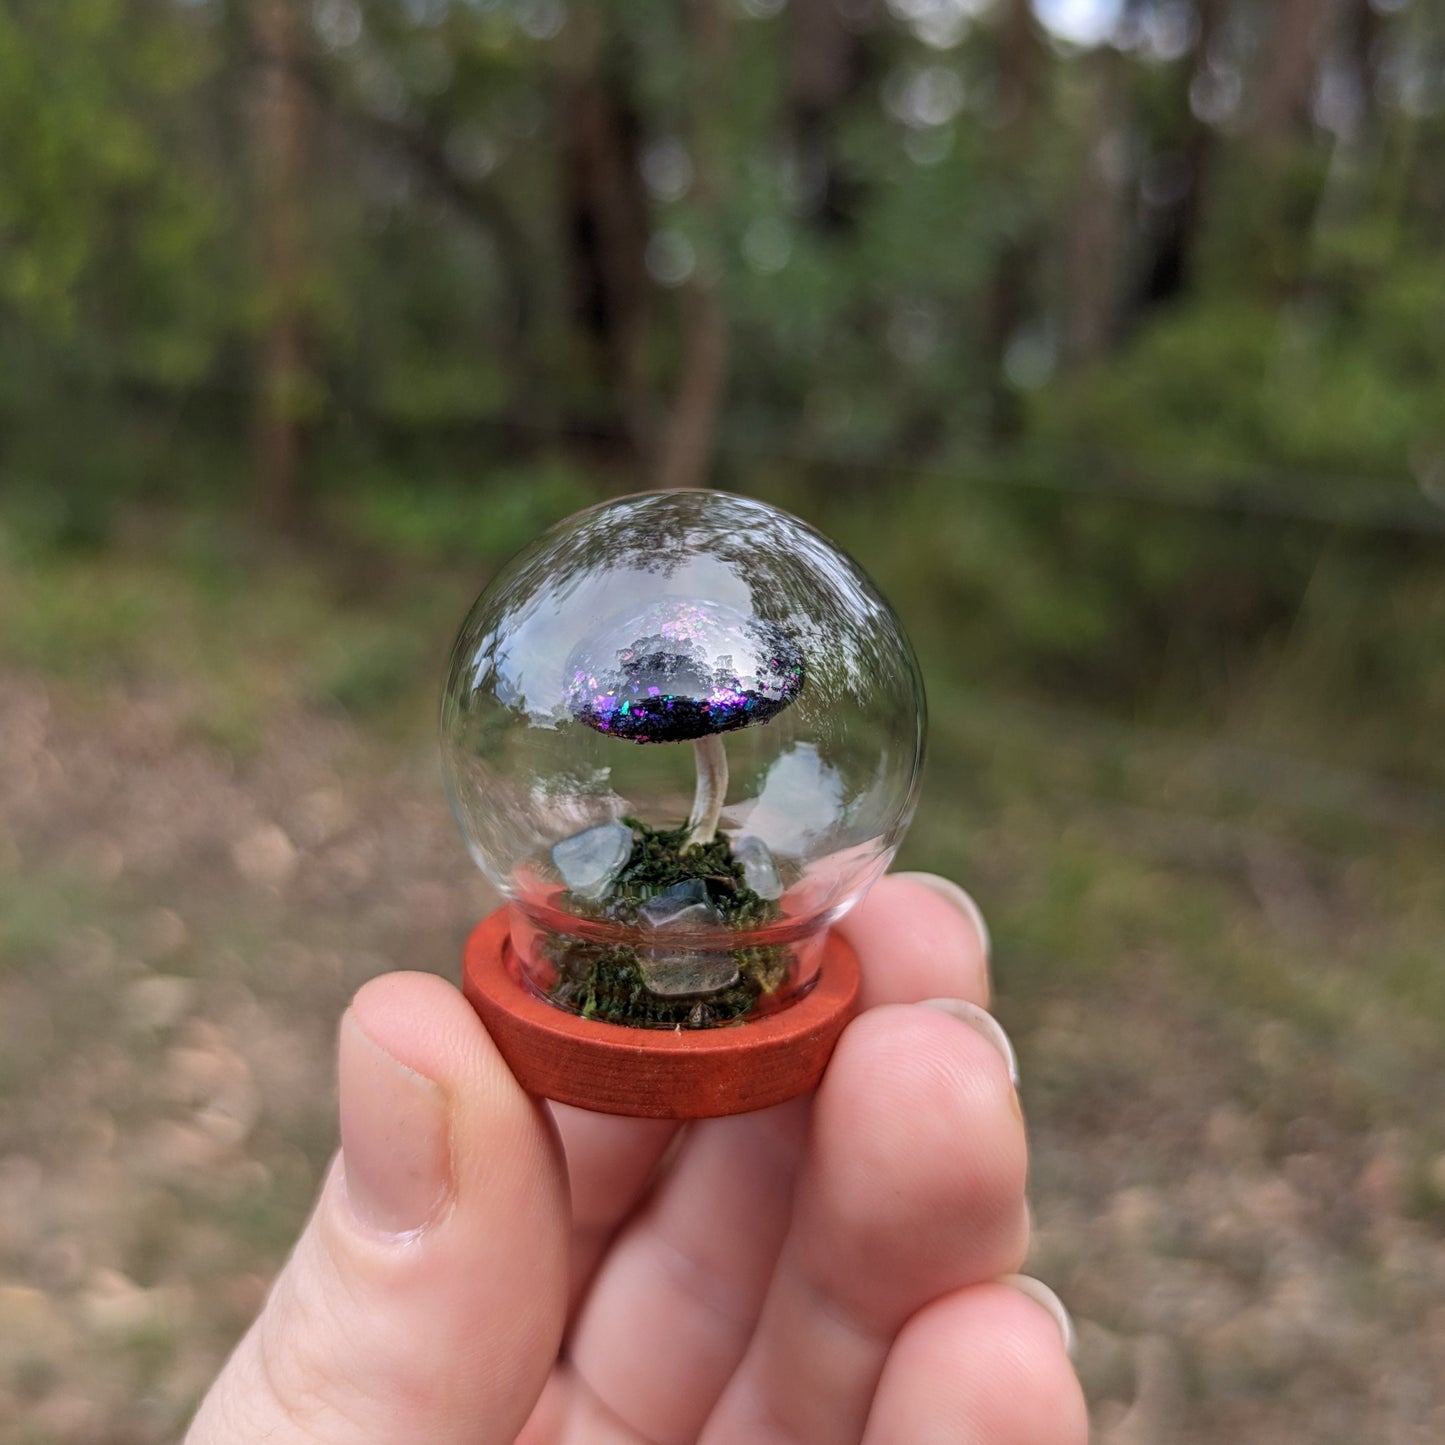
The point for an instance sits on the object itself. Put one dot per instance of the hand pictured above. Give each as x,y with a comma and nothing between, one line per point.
825,1271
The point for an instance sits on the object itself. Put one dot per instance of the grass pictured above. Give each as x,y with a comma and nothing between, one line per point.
248,641
1122,838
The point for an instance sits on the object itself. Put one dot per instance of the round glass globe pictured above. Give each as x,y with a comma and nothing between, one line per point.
682,734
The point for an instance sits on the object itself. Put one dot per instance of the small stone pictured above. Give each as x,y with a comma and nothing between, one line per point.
158,1001
760,870
589,861
684,905
683,975
265,856
58,1263
1379,1188
1234,1137
174,1151
321,815
114,1304
100,856
674,974
32,1326
163,932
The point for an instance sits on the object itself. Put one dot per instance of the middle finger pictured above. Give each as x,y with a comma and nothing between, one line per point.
673,1306
913,1187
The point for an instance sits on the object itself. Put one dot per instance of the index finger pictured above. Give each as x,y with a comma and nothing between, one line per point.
918,937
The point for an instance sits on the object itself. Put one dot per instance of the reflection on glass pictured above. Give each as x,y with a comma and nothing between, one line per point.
681,732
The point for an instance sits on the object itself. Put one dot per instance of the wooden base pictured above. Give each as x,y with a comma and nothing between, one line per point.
656,1073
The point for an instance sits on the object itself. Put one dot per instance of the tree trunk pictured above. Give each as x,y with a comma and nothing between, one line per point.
1362,38
688,439
1008,298
1170,270
607,230
687,442
828,61
280,144
1285,191
1095,244
1286,84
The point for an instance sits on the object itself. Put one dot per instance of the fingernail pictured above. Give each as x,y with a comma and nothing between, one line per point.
946,888
981,1022
1041,1294
395,1139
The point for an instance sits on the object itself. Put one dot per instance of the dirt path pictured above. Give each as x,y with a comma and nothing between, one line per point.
1237,1231
180,933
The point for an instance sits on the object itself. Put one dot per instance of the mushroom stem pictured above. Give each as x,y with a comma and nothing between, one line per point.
712,790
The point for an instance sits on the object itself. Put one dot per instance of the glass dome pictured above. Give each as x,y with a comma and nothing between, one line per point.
682,734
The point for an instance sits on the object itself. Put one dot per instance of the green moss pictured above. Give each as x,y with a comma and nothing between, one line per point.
659,862
606,981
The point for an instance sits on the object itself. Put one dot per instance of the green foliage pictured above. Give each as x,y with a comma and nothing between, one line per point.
37,913
76,623
367,668
486,518
106,231
1339,382
453,289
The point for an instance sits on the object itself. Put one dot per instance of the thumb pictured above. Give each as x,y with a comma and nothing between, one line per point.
425,1299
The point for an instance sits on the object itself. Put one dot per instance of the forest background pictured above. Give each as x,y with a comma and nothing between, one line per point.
1108,334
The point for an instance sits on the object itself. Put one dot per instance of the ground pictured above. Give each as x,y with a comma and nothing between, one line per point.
220,813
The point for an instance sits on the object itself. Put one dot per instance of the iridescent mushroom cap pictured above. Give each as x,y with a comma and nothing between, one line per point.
681,670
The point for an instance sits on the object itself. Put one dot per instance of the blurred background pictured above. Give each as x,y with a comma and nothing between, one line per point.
1108,334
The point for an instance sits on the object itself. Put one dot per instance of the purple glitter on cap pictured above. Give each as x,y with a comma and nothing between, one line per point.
682,670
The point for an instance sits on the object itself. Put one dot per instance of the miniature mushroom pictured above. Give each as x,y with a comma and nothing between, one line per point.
685,671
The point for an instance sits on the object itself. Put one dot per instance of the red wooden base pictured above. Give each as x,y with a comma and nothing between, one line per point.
656,1073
